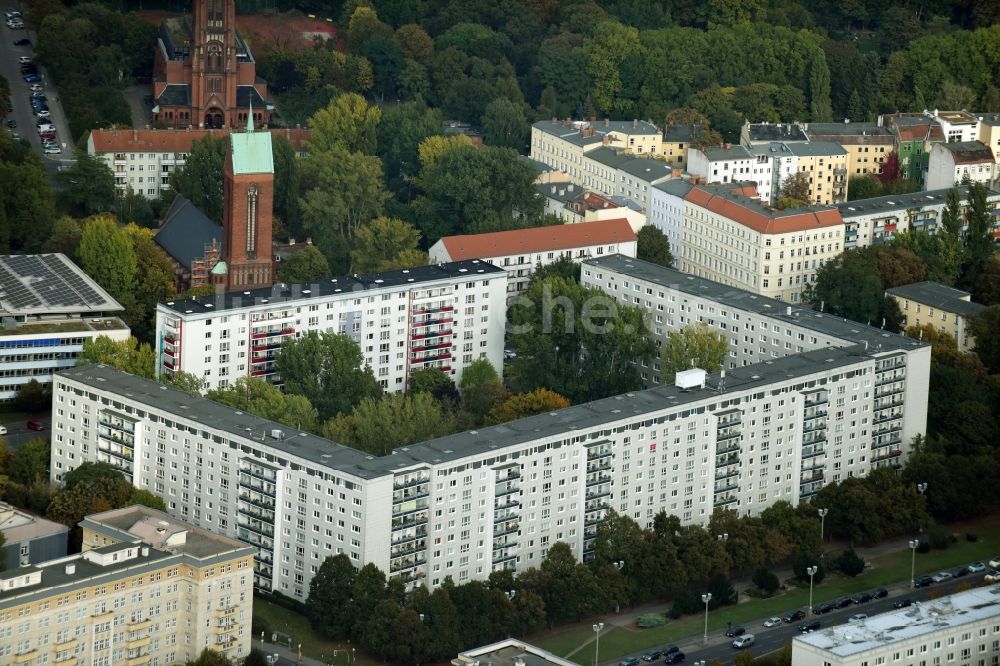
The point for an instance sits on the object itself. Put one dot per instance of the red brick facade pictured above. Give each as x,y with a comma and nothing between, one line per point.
246,225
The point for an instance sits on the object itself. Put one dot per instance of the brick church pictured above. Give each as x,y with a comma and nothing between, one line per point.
204,75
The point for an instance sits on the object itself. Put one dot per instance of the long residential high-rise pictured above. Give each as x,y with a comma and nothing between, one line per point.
807,399
444,316
147,589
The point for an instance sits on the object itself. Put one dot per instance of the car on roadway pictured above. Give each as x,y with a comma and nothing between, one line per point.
859,616
3,430
733,632
812,625
24,60
15,25
744,641
861,598
674,657
977,567
993,576
772,622
652,655
35,424
12,124
16,136
823,608
902,603
24,41
52,151
31,78
793,616
629,661
880,593
42,113
35,88
961,571
995,562
923,581
942,576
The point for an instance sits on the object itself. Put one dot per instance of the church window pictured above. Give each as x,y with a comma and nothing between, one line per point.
252,221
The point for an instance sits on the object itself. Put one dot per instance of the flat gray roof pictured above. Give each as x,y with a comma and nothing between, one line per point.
775,132
939,296
18,526
562,192
850,332
609,157
292,293
862,207
846,129
647,168
571,130
816,148
679,187
733,152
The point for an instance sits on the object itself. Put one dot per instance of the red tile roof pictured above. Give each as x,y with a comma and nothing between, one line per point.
171,140
538,239
754,215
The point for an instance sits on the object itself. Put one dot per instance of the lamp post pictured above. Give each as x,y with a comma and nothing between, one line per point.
597,641
913,562
706,598
722,537
822,525
812,572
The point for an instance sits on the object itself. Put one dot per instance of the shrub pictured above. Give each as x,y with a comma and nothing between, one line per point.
940,538
685,603
850,563
765,580
802,562
651,620
971,538
924,547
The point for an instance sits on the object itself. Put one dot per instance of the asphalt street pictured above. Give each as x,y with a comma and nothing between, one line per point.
18,433
21,96
770,639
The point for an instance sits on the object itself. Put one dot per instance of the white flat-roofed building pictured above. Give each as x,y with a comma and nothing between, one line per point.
147,589
520,251
962,628
728,163
562,144
444,316
48,308
499,497
951,163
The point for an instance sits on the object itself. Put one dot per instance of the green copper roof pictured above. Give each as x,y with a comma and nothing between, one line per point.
252,152
220,268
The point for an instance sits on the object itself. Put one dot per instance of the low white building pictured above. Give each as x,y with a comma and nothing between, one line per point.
957,126
666,211
444,316
48,308
962,628
728,163
520,251
951,163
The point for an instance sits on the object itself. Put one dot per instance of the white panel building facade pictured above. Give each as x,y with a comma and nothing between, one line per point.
443,316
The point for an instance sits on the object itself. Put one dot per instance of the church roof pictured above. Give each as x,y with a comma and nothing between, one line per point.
246,94
185,232
252,152
175,94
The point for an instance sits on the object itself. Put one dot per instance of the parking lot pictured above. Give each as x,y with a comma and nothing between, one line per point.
12,58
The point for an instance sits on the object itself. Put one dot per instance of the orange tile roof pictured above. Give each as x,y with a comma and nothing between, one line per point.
764,220
171,140
538,239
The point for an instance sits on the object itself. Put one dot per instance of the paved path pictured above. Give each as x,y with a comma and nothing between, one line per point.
288,657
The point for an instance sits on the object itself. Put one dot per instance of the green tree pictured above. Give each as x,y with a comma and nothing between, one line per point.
200,181
986,289
30,463
153,284
210,657
107,255
255,658
386,243
850,563
801,564
379,425
795,191
863,187
851,286
985,328
951,216
328,370
349,123
504,125
979,240
307,264
368,592
88,186
403,128
696,345
125,355
654,246
286,183
26,205
329,605
146,498
33,396
481,388
433,381
765,580
568,587
526,404
258,396
66,236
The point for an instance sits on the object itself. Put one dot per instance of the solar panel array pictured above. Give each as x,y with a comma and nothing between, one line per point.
32,281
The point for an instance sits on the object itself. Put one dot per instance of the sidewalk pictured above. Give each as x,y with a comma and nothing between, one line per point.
290,656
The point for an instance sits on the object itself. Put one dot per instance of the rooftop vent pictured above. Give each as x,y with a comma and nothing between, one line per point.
70,568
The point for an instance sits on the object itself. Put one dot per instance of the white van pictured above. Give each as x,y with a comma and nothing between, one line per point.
744,641
46,127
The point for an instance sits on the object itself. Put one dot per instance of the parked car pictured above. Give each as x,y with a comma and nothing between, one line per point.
993,576
31,78
652,655
810,626
55,150
35,424
674,657
35,88
995,562
977,567
42,113
823,608
772,622
733,632
861,598
24,41
902,603
961,571
942,576
3,430
12,124
843,602
880,593
923,581
744,641
859,616
670,649
793,616
24,60
629,661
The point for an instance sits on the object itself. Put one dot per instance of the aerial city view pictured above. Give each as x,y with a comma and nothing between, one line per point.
513,333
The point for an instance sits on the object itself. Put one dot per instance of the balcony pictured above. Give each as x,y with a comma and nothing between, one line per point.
261,502
505,488
725,488
725,500
406,523
729,448
728,460
403,484
596,454
401,496
137,643
265,475
25,657
431,322
400,512
270,334
886,455
509,504
419,533
257,526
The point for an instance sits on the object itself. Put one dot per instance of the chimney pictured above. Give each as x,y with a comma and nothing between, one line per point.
635,123
554,120
145,551
607,122
309,240
675,173
70,568
727,146
553,189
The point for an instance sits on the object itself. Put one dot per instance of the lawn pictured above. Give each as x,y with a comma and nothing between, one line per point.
313,645
885,570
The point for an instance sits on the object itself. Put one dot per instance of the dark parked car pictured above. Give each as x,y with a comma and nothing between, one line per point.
902,603
923,581
629,661
12,124
843,602
670,649
822,609
961,571
810,626
735,631
793,616
22,42
32,78
674,658
880,593
862,598
652,655
35,424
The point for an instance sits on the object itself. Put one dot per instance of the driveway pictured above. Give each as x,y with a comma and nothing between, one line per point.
21,96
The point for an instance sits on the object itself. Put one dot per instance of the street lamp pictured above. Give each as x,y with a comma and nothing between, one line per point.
620,564
913,561
597,640
706,598
722,537
822,524
921,487
812,572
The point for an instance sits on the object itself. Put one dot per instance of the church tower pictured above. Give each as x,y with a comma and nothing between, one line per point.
248,195
214,60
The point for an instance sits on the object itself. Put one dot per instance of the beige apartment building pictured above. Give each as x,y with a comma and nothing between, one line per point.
147,590
729,236
945,308
825,162
561,144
